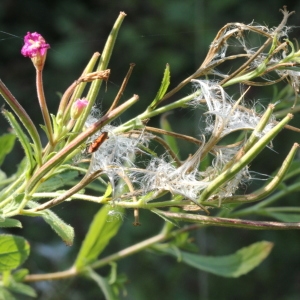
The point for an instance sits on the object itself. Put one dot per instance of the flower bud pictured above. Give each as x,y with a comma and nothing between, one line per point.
35,47
77,108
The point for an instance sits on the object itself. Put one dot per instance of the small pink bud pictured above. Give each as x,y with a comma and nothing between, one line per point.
35,47
77,108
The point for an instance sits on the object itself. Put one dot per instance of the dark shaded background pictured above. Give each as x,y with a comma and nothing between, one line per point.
154,33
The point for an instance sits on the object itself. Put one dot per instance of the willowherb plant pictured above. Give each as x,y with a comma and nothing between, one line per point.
129,172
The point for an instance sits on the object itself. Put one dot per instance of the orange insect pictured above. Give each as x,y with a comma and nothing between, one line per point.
94,146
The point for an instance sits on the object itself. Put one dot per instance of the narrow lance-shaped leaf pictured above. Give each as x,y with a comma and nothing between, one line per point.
21,288
22,138
163,88
65,231
102,229
234,265
280,216
56,182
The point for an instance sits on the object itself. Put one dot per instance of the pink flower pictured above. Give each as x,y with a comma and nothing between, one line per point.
77,108
35,45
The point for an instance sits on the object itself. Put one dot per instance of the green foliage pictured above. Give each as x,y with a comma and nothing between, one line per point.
23,289
65,231
20,274
208,181
111,285
10,223
14,250
23,139
103,284
13,284
280,216
234,265
5,294
170,140
163,88
7,142
101,230
58,181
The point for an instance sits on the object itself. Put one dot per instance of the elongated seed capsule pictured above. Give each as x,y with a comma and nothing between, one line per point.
94,146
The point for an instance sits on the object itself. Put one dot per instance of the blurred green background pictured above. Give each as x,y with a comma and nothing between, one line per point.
154,33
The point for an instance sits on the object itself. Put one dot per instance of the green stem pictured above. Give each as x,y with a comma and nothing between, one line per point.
103,63
25,119
74,144
9,180
75,90
149,114
13,190
109,45
43,105
73,197
270,187
163,236
114,257
282,193
130,250
17,211
258,130
52,276
243,161
151,205
230,222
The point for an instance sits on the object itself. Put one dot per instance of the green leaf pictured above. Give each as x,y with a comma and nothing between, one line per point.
5,294
10,223
20,274
234,265
7,142
14,250
103,283
102,229
65,231
295,69
55,125
57,181
283,217
163,88
23,138
169,220
45,130
171,140
21,288
13,204
185,242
